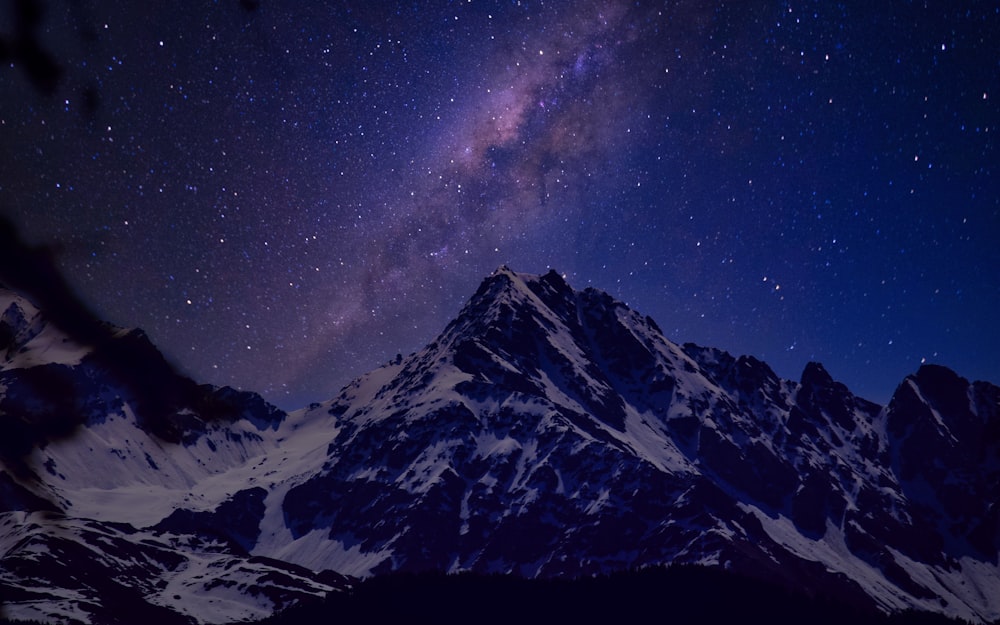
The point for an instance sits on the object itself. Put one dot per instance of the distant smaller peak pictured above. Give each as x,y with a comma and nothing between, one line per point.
930,368
555,279
938,376
815,375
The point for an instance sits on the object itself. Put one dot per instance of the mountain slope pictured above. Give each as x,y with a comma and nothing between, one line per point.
553,432
115,504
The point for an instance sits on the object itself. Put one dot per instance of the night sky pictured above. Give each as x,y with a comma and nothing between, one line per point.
285,195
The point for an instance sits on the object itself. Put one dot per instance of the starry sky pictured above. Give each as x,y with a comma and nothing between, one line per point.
284,195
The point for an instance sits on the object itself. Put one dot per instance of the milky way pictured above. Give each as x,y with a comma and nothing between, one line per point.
286,197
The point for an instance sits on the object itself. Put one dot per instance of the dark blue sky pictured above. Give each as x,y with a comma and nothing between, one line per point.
285,197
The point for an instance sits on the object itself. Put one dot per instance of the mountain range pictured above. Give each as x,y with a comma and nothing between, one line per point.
546,433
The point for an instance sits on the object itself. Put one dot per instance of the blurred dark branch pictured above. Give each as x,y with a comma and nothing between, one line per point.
157,389
23,48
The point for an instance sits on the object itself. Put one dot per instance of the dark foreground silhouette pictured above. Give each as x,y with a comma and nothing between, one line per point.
675,595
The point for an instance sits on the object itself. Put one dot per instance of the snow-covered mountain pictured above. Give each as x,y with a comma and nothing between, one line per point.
127,491
546,432
553,432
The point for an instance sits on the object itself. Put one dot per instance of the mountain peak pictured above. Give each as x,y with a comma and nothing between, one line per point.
505,288
938,375
551,277
554,281
815,374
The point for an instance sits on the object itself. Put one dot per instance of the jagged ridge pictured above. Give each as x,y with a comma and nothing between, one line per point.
553,432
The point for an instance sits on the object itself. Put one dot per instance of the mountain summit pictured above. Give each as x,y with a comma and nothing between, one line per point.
547,432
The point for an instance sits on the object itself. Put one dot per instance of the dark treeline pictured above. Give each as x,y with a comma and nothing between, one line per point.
674,595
